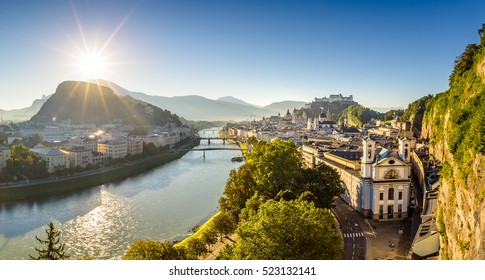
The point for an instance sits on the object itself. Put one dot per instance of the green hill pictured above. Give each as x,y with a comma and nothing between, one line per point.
89,103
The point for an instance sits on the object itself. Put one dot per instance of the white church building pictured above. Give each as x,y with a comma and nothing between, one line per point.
378,187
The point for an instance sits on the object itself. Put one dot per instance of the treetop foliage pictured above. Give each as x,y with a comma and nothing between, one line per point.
154,250
275,170
361,114
55,249
23,164
286,230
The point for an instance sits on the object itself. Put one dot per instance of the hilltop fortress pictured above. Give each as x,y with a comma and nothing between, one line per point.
330,99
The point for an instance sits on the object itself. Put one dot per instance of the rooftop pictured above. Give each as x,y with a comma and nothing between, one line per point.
50,152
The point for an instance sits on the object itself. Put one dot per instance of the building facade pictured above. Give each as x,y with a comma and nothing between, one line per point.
377,185
79,156
88,143
55,159
169,139
113,149
134,146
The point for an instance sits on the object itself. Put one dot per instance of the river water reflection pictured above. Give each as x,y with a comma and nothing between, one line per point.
101,222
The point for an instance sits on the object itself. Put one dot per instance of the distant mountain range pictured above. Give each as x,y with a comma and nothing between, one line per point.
19,115
191,107
194,107
230,99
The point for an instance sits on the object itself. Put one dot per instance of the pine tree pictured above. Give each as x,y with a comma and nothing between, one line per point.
55,249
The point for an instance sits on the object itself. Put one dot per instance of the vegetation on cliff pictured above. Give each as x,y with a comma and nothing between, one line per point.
357,115
454,122
414,113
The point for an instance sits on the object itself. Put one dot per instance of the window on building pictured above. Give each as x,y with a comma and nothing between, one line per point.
400,195
391,193
381,196
399,210
381,212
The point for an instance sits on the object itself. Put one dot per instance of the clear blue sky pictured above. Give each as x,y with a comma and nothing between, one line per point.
384,53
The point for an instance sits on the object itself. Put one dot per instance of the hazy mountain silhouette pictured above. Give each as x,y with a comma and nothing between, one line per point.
283,106
194,107
231,99
23,114
82,102
191,107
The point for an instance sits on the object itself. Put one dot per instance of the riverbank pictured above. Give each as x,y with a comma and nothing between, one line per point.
89,179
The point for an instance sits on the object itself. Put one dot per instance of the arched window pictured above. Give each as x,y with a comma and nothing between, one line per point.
391,174
391,193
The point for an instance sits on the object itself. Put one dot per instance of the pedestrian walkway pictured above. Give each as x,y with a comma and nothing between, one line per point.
353,235
218,246
387,240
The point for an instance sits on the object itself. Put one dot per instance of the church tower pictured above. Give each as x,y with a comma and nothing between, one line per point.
405,149
368,156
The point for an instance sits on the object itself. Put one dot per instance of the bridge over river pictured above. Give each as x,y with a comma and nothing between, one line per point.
212,149
217,138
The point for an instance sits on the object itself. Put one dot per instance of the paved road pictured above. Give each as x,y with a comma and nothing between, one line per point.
353,235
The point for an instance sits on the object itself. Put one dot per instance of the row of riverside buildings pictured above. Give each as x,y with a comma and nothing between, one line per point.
84,151
88,151
66,146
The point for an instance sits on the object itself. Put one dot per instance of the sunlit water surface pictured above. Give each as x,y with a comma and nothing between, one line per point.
101,222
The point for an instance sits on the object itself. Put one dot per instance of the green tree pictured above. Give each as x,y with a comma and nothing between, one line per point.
227,252
25,164
274,170
55,249
154,250
16,141
223,224
150,149
209,237
287,230
240,186
276,165
252,206
323,181
286,195
3,138
37,139
251,141
195,248
308,197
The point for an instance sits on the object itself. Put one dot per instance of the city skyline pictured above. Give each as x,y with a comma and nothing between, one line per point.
384,54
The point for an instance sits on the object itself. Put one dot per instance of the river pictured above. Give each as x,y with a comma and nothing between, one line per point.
103,221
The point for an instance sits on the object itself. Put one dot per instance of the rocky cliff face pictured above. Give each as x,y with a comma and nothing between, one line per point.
454,122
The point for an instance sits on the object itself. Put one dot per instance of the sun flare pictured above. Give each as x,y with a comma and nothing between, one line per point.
92,65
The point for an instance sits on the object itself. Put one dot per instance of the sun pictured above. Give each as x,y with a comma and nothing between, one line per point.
91,53
93,65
